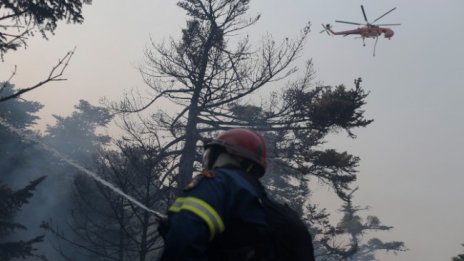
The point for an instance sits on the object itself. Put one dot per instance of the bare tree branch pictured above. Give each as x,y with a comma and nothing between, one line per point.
54,75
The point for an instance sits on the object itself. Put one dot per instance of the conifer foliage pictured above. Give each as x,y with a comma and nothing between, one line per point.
459,257
11,202
22,18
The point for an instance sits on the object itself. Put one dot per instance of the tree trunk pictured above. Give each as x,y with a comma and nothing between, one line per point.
191,132
145,224
121,232
188,153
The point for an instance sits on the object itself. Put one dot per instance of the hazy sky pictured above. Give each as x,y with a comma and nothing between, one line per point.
410,173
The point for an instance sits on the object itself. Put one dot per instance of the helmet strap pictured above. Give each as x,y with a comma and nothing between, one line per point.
252,168
249,168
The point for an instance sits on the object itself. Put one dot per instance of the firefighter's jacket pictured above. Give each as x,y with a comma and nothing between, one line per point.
216,218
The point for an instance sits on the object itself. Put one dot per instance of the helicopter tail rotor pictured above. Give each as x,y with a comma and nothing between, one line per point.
327,29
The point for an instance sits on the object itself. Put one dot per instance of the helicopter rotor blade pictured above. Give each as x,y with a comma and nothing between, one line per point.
387,24
364,13
347,22
384,14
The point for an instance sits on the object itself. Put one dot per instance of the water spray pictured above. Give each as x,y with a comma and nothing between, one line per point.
81,168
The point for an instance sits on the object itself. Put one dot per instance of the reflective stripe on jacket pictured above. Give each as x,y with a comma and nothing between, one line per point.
201,209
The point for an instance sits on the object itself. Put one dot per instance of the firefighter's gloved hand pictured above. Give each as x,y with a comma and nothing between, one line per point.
163,227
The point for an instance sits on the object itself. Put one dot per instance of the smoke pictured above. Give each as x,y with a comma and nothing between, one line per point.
52,199
74,164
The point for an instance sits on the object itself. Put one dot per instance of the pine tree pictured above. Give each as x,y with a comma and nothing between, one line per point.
106,226
355,228
22,18
205,72
459,257
11,203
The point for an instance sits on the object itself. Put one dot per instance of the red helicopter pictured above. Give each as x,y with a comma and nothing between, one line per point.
370,30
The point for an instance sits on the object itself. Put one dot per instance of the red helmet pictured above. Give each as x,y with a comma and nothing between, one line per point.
243,143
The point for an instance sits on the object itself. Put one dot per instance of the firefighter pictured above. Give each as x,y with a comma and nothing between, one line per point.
220,214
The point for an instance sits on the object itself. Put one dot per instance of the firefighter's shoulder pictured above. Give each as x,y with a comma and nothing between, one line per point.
196,180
